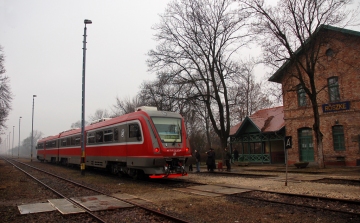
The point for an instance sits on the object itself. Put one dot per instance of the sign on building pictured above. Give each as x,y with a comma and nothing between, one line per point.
288,142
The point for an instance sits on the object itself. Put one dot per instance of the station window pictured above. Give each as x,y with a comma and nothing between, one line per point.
333,86
301,96
338,137
91,138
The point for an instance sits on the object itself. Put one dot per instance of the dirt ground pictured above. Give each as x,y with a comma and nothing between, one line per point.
16,189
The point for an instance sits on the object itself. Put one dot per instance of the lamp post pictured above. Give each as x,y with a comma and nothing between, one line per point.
12,148
19,137
82,165
32,129
9,142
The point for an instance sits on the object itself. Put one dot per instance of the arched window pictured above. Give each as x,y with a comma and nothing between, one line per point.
333,86
301,96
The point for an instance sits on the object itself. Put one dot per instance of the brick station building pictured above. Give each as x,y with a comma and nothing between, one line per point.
260,137
337,78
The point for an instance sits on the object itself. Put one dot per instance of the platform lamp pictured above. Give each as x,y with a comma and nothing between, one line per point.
5,142
19,138
12,148
32,129
9,142
82,164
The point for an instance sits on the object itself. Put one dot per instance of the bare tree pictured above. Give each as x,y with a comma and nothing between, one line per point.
126,105
198,44
162,94
25,147
288,34
247,96
5,93
99,114
77,124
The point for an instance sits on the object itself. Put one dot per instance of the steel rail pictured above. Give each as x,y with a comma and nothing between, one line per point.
294,195
303,205
297,195
53,190
126,201
302,196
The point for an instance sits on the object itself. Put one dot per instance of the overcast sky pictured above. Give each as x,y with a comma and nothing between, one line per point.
42,44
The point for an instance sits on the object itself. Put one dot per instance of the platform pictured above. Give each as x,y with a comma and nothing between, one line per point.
212,190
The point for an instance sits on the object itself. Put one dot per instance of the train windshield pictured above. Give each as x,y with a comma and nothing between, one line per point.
169,129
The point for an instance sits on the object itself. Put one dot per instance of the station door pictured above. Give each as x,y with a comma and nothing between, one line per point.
306,145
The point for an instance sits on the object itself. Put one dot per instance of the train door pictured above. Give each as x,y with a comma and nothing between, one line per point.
134,138
122,133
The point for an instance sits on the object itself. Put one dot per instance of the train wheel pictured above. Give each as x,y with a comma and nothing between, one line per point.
121,174
136,174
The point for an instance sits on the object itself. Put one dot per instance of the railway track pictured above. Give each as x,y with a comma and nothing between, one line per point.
317,203
68,189
351,207
220,208
324,179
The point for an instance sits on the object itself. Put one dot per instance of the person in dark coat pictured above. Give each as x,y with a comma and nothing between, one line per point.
210,162
197,157
227,159
236,155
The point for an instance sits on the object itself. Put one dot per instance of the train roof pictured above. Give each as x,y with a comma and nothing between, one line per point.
147,111
48,138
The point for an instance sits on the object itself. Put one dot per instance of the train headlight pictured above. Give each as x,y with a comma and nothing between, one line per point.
187,150
156,150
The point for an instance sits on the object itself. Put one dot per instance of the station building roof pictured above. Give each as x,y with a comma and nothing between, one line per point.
265,120
277,76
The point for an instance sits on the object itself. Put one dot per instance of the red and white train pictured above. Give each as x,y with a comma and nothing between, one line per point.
146,142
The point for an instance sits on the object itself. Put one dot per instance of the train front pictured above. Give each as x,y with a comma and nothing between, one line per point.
172,144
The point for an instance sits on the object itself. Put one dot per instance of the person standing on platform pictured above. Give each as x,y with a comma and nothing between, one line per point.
210,162
197,157
227,159
236,155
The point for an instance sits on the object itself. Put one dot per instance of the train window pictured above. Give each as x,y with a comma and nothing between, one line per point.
77,140
73,140
91,138
51,144
40,146
134,131
99,137
68,141
116,134
108,135
63,142
169,129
